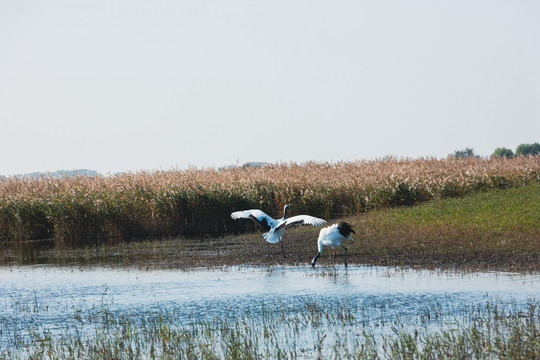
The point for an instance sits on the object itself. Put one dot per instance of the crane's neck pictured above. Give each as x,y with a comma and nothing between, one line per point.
320,245
285,208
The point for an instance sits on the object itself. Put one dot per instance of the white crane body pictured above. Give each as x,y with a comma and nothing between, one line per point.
274,228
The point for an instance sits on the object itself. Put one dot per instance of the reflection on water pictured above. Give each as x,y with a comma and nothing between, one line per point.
27,252
214,292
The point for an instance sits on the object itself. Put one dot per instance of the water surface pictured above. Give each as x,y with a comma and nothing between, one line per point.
49,297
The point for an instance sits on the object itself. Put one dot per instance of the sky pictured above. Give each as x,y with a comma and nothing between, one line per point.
131,85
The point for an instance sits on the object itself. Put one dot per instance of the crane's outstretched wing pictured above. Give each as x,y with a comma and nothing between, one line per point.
301,220
259,216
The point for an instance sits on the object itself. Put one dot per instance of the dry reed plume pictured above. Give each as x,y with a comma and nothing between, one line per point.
197,202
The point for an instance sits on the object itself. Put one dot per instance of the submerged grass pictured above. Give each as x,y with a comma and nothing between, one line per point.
348,330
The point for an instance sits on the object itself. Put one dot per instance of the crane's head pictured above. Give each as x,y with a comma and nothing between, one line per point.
314,261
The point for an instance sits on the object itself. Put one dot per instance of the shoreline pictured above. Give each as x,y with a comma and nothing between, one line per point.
493,230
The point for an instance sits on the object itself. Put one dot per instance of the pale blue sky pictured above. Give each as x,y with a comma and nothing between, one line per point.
141,85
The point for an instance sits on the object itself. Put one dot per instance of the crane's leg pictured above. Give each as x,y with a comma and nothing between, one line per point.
334,252
282,249
345,254
267,249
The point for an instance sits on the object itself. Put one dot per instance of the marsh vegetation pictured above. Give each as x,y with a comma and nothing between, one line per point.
495,229
199,202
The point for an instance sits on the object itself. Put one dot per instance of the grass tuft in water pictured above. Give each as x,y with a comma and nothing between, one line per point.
490,330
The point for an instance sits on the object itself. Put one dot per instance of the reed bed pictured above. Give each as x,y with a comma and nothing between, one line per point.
199,202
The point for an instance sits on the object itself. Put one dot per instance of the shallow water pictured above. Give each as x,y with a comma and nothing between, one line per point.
48,297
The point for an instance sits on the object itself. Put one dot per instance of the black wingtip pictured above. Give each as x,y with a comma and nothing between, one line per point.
262,223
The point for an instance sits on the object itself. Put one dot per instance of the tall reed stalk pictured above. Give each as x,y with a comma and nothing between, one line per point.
198,202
